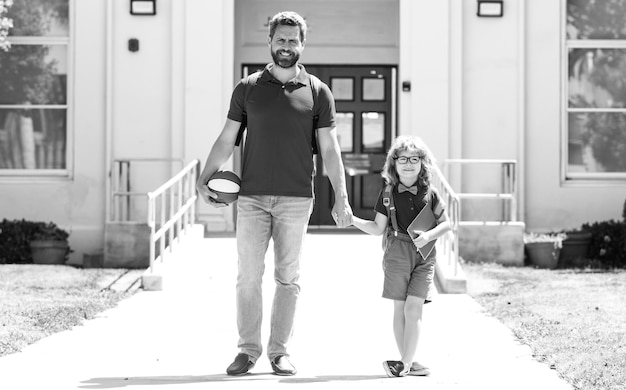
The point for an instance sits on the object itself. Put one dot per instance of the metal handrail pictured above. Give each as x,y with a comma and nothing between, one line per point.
449,242
508,192
121,189
176,213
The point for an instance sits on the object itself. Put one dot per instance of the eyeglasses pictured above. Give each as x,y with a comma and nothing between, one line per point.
404,160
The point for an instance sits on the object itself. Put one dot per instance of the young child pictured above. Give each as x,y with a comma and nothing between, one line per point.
408,275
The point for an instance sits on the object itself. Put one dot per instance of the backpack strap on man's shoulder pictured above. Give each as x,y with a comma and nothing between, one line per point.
391,208
316,85
251,80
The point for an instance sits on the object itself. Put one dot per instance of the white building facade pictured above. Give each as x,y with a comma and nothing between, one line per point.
527,86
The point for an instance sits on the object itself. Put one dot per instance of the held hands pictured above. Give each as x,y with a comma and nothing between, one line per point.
422,238
207,195
342,213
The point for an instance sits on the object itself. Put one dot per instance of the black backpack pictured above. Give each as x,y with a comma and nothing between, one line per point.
316,85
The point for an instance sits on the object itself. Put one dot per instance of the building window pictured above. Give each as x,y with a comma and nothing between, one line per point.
34,135
595,112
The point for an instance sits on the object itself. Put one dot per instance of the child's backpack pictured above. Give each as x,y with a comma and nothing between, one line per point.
391,212
315,84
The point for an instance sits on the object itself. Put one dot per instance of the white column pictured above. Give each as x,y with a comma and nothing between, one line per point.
425,63
209,81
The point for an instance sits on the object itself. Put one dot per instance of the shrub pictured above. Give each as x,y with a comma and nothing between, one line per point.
16,235
608,243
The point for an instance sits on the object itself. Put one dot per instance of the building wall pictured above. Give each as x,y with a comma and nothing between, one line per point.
339,32
425,63
551,202
209,81
481,88
492,94
75,203
171,97
505,90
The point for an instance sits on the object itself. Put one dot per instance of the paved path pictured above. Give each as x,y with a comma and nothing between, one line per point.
185,336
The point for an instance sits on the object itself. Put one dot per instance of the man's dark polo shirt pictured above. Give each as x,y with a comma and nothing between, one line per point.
277,156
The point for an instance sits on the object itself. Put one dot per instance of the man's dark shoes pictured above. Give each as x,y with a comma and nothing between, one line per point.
241,365
394,368
282,366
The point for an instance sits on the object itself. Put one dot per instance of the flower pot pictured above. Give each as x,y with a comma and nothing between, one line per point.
543,254
575,249
49,252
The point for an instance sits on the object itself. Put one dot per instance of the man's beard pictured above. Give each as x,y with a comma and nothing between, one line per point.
284,62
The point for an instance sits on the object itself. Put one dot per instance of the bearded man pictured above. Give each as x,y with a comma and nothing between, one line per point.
286,109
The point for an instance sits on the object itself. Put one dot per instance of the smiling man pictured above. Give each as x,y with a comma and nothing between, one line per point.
285,107
286,45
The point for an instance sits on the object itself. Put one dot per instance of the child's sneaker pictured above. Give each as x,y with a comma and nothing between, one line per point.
418,370
395,368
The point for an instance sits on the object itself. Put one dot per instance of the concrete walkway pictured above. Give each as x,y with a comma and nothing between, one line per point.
184,336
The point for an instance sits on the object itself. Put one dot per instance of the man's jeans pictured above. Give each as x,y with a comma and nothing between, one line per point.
285,220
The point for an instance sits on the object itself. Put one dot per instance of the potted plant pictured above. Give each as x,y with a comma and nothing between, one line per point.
543,249
49,245
575,250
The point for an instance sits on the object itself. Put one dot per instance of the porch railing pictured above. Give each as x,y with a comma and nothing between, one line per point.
171,211
508,186
123,192
449,242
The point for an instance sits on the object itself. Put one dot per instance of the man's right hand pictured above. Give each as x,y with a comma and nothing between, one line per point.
208,196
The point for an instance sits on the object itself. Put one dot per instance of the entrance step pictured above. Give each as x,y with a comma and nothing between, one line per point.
497,242
127,245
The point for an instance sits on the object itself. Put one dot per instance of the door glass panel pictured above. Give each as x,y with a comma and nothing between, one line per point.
373,89
373,131
345,130
371,186
342,88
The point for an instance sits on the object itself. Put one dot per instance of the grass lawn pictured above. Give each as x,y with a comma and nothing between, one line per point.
574,320
39,300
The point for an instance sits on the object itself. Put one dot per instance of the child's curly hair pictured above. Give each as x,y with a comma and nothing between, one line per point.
413,143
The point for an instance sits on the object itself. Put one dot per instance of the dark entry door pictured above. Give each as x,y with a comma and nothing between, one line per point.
364,101
366,117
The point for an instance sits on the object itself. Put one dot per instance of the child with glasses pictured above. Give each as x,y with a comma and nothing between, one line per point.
408,274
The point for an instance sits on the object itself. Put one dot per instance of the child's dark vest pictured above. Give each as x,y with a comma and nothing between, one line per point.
391,214
315,85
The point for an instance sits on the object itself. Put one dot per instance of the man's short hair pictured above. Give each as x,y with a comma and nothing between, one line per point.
288,18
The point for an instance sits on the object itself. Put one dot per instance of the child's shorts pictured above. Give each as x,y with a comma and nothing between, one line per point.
406,272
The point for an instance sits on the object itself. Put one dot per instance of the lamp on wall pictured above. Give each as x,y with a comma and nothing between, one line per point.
490,8
143,7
